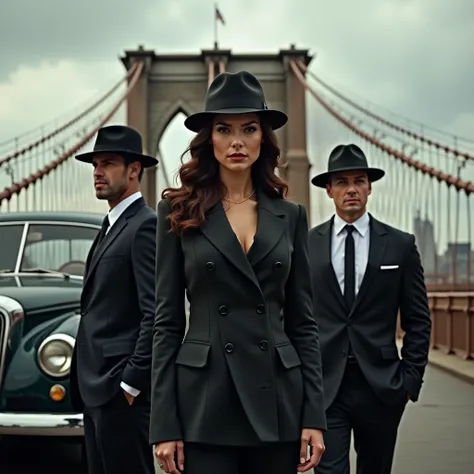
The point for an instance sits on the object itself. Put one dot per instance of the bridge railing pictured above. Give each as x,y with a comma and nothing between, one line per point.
452,316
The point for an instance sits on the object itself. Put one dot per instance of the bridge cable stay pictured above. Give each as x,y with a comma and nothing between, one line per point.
46,193
60,191
29,136
49,136
39,131
460,185
440,158
402,130
454,267
39,157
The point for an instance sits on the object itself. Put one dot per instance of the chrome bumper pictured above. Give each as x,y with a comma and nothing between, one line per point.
41,424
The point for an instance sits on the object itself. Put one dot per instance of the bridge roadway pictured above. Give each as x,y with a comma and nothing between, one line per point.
435,436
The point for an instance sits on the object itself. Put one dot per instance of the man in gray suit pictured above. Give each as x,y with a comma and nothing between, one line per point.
110,374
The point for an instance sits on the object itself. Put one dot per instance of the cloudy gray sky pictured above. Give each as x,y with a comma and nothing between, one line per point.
412,57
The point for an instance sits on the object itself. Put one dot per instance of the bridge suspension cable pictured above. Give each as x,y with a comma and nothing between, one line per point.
424,168
17,187
416,136
15,155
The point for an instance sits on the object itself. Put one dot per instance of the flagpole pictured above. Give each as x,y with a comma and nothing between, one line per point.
215,26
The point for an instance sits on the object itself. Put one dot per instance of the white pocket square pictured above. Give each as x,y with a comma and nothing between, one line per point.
388,267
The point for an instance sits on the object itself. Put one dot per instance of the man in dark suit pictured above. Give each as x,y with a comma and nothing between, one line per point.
364,274
110,374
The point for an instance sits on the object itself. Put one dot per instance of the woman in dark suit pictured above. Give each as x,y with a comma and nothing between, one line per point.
241,391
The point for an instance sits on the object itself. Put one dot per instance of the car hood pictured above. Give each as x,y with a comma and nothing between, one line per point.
36,293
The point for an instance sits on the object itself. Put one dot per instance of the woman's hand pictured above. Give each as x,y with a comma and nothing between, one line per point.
313,438
165,455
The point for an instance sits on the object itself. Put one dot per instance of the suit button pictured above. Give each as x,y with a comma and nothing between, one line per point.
223,310
278,265
210,266
263,345
260,308
229,348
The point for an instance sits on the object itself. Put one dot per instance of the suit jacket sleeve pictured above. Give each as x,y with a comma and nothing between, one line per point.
168,330
302,328
415,321
136,373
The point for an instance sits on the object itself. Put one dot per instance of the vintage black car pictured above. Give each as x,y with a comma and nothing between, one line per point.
42,261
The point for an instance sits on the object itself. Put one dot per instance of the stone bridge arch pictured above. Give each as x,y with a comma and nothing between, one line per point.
162,121
175,83
157,131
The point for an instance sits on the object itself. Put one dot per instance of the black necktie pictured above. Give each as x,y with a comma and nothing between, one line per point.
349,268
103,230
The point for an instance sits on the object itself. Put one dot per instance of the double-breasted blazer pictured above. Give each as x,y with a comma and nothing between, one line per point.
393,284
248,369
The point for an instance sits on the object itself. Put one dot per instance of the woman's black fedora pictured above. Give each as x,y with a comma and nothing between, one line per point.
347,158
122,140
235,93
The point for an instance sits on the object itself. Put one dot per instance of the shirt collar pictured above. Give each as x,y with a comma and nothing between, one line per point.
361,224
117,211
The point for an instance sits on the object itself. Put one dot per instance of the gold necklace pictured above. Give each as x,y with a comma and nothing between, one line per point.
240,202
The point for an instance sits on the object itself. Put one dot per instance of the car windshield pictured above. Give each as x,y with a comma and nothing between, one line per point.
49,248
10,237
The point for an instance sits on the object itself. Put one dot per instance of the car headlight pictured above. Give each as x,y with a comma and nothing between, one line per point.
55,355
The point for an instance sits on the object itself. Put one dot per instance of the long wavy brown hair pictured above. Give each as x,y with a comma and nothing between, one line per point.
201,187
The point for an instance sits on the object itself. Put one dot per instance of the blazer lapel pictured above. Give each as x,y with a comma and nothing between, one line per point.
270,228
377,247
218,231
327,268
114,232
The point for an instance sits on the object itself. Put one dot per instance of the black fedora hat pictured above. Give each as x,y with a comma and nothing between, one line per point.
347,158
235,93
122,140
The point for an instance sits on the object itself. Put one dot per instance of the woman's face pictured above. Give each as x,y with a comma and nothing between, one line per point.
236,140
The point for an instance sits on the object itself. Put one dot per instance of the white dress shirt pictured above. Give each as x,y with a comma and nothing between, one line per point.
361,236
117,211
114,214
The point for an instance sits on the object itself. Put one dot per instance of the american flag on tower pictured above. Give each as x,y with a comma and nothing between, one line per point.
219,16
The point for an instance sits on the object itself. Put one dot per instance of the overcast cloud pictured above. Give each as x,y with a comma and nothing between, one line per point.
413,57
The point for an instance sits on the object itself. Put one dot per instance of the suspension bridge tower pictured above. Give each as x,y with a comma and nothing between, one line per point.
177,83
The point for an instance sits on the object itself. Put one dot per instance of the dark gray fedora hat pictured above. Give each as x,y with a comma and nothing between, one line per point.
347,158
122,140
235,93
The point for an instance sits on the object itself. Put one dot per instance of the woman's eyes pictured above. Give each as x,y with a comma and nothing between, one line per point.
250,129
